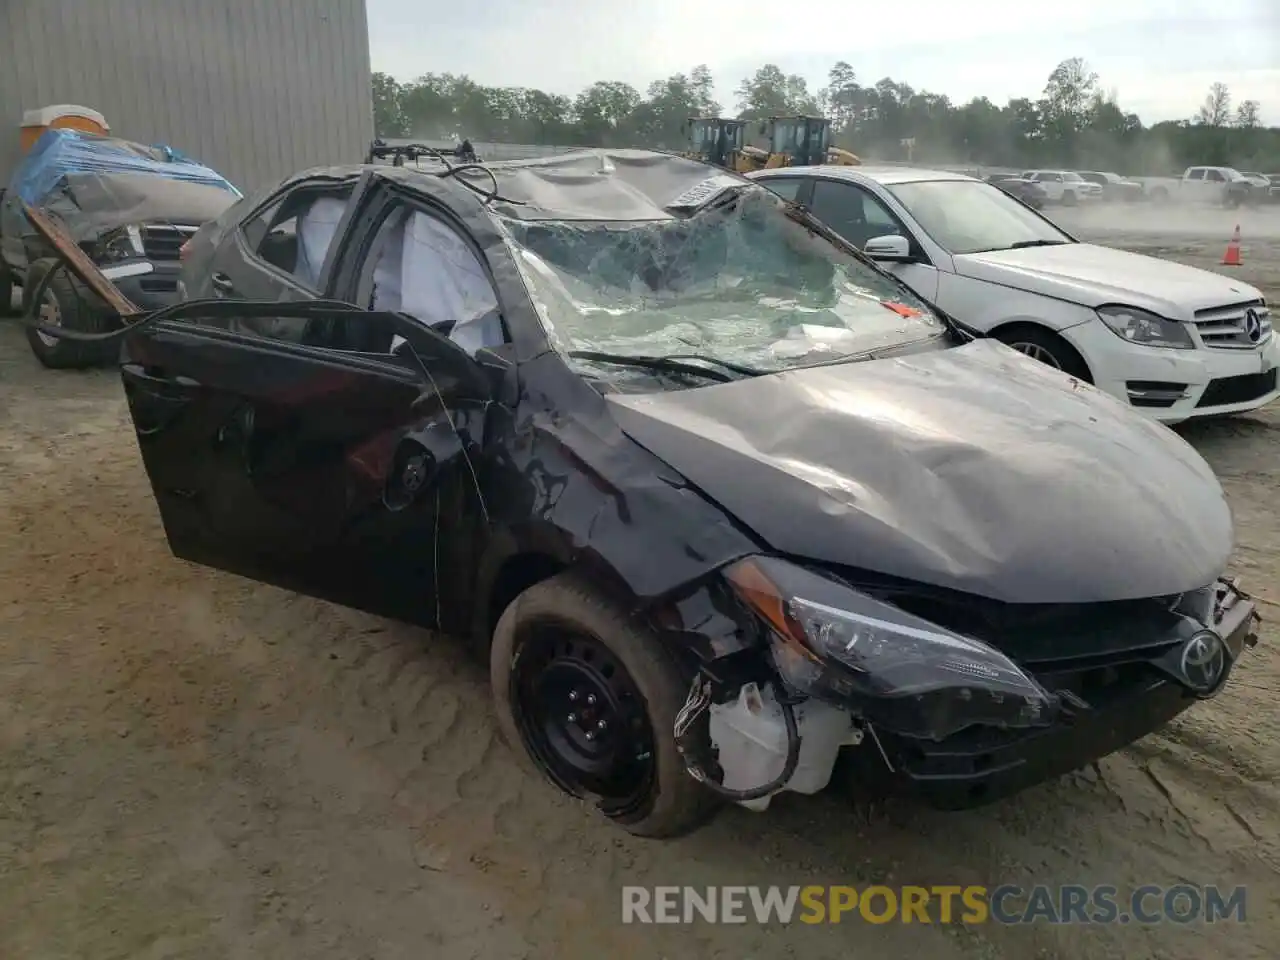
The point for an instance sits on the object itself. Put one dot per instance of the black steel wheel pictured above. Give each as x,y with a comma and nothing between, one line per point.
587,699
582,718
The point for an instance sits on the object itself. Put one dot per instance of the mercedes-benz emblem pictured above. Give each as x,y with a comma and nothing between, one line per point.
1253,324
1204,660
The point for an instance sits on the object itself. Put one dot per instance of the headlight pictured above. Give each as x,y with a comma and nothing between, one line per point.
896,669
1147,329
124,243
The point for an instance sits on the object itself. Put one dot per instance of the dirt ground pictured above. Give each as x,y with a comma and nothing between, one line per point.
194,766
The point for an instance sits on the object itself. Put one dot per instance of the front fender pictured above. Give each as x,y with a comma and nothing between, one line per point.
573,489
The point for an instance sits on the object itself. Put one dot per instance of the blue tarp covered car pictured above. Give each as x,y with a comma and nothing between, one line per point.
129,205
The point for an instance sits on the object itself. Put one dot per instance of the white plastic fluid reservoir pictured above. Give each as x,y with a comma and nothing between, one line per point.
751,739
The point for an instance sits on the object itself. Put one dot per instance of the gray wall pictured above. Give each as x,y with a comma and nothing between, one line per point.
256,89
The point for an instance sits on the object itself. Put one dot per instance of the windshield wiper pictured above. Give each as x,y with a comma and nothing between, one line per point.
675,363
1023,244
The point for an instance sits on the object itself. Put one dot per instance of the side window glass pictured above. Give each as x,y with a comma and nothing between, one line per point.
878,216
421,265
851,212
1215,175
294,234
1196,174
788,188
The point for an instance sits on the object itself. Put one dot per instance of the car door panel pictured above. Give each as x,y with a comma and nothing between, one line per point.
286,463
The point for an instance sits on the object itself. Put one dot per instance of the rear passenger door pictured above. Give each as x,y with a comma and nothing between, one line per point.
280,251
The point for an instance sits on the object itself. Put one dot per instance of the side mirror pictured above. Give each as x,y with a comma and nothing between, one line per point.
890,248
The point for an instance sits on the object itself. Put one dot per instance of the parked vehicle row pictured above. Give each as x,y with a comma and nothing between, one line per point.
1223,186
539,404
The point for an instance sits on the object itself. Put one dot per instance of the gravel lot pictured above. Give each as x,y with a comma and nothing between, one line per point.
194,766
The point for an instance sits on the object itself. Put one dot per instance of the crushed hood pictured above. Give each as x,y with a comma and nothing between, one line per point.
973,468
1092,276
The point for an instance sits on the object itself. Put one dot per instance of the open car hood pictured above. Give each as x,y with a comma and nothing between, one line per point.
973,468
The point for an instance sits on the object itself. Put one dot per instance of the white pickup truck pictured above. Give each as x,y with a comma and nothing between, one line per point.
1064,186
1224,186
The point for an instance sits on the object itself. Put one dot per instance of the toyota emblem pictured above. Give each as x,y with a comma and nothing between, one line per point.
1204,661
1253,324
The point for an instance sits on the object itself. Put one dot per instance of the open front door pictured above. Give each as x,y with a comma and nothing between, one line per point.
289,444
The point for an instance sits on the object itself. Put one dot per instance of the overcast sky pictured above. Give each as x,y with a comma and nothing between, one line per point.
1160,56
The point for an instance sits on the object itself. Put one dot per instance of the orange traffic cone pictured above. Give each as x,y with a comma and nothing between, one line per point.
1232,257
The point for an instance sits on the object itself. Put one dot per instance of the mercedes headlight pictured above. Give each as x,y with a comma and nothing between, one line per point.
896,669
1145,328
123,243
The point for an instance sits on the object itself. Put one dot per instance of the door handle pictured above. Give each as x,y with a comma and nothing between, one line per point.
222,283
156,378
155,400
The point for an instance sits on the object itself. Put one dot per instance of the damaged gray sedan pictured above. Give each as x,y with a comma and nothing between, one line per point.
720,500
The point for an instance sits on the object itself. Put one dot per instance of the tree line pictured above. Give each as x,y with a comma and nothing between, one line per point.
1074,122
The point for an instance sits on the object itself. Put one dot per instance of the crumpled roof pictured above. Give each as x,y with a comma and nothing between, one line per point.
601,185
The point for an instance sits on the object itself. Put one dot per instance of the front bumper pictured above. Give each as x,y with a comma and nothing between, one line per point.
981,766
1177,385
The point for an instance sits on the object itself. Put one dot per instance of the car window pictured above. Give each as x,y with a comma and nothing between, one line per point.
788,188
851,212
1214,175
421,265
293,235
968,216
1195,174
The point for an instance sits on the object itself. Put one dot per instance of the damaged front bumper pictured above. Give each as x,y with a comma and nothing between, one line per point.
1126,701
1108,702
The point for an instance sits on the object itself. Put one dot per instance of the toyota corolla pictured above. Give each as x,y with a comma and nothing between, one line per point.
718,498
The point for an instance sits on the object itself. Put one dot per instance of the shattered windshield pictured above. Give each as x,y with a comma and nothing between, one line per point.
742,283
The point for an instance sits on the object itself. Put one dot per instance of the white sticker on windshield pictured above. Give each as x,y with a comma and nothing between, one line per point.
701,193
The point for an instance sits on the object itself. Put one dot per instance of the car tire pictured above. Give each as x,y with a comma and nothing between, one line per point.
1047,347
1069,198
73,309
561,637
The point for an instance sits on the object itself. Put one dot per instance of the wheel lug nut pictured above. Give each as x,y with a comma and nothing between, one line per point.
600,725
591,735
572,718
573,696
591,699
